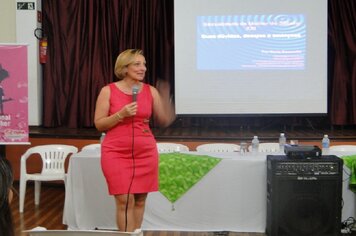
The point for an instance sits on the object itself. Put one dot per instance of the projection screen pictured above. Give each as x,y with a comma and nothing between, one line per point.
250,57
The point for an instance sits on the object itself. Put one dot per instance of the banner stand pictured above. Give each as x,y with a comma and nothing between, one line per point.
13,95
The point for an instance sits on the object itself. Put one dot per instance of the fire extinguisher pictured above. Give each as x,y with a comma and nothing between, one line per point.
43,43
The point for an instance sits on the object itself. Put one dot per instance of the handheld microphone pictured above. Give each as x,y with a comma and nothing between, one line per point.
135,89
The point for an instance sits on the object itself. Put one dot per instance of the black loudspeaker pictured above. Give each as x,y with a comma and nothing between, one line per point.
304,196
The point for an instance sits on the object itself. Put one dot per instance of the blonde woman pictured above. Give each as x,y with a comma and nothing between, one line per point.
129,156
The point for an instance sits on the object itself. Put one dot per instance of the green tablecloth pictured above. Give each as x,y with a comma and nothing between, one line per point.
350,162
178,172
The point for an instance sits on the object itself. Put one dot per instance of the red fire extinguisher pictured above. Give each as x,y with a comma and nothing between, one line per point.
43,50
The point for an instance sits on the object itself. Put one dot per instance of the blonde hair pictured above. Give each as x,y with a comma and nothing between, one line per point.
123,60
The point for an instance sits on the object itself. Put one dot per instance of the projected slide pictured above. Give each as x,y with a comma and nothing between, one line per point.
250,42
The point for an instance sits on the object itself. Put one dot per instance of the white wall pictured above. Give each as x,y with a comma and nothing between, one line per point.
7,21
17,26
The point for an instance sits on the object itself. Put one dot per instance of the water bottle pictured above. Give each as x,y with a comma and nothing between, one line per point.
282,142
325,144
254,144
102,137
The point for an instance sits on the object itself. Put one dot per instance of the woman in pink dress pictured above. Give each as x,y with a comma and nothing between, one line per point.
129,157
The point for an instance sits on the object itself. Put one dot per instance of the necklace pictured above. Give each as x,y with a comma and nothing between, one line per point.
127,87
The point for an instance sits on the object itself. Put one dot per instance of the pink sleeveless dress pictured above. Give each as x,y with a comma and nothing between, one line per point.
129,150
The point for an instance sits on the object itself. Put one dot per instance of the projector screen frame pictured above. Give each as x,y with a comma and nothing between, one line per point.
187,92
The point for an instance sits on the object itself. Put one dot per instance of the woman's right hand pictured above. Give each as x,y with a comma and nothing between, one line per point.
128,110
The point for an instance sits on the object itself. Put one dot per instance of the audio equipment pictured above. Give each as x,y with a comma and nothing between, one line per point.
304,196
302,151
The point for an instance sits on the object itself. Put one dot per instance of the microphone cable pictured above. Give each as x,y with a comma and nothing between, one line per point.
133,160
133,174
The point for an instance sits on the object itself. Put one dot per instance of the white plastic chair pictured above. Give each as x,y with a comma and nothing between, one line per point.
53,158
218,147
343,148
92,147
267,147
172,147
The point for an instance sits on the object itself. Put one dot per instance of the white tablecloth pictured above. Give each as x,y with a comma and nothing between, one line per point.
231,197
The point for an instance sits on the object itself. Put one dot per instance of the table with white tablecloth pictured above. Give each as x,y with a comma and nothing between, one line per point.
231,197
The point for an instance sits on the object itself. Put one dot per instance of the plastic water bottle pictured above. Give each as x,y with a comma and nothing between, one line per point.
325,144
102,137
254,144
282,142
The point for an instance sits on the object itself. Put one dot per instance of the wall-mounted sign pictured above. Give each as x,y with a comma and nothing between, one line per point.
26,6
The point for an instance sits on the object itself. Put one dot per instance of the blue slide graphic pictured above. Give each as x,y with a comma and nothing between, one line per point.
251,42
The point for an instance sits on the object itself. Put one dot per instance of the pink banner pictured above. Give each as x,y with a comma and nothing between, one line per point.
13,94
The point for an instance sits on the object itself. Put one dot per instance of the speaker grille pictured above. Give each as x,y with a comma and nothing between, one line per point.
307,217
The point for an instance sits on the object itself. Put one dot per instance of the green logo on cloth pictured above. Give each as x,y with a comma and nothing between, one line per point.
178,172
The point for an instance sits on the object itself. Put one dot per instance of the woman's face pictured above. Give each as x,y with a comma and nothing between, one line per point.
137,69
